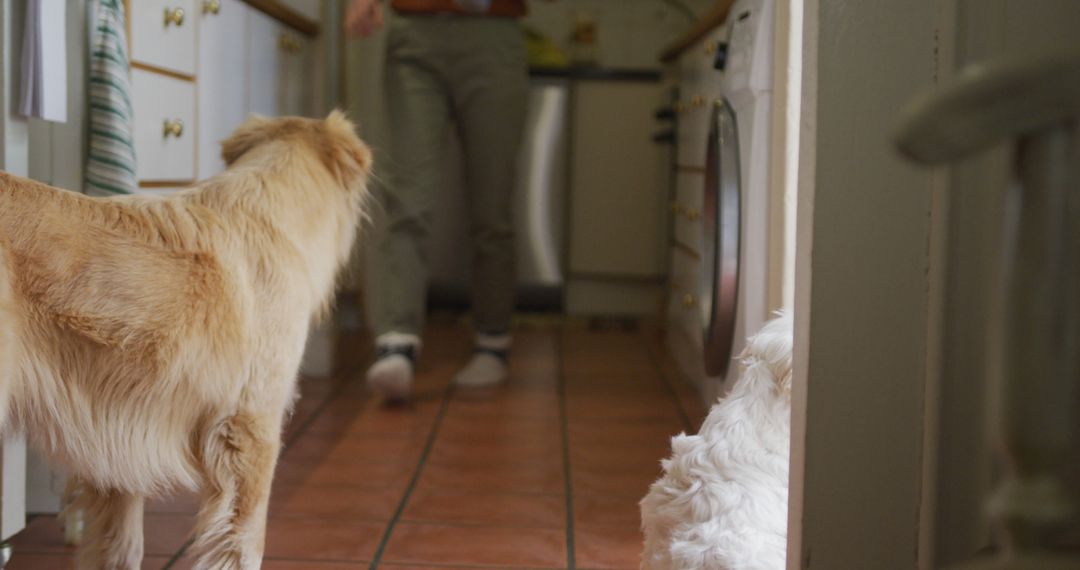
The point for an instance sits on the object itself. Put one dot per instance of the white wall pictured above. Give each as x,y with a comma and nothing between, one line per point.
58,150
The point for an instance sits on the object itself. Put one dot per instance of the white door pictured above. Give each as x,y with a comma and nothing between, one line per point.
264,64
223,93
295,73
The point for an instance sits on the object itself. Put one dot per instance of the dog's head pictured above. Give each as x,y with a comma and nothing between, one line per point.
333,140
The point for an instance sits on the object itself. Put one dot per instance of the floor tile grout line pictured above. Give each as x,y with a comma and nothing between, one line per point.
571,555
672,392
300,431
432,435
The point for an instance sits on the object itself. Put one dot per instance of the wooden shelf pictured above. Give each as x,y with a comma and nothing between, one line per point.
714,18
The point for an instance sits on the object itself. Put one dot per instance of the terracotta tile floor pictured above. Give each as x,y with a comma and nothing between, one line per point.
544,472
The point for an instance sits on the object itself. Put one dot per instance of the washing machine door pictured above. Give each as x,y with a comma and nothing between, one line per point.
721,233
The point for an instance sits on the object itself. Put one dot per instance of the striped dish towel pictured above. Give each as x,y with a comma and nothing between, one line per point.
110,162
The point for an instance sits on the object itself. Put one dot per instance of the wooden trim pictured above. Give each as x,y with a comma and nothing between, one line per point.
162,71
165,183
712,19
287,16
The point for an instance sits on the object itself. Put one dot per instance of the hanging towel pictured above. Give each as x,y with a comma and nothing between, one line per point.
44,61
110,162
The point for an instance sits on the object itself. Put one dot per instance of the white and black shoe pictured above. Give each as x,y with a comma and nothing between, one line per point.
489,364
391,375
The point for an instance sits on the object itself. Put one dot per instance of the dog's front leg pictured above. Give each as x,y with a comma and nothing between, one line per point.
113,539
238,468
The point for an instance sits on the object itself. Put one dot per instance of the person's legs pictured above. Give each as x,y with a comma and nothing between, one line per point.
419,111
490,99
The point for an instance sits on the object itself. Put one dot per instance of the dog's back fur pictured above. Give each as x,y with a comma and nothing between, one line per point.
722,501
149,343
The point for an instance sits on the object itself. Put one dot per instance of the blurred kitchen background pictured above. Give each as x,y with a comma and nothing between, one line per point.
592,225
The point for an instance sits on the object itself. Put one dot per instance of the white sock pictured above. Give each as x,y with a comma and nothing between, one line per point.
488,364
391,375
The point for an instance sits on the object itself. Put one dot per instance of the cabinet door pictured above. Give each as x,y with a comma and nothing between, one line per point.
223,97
264,65
295,78
618,204
160,100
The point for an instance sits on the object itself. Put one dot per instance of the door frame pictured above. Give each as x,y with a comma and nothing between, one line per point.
867,281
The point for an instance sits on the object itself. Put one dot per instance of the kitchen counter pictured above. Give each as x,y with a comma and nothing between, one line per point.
597,73
714,18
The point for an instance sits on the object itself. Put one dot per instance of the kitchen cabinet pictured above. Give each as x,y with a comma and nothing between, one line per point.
163,34
165,110
201,67
223,104
264,64
277,70
616,208
618,197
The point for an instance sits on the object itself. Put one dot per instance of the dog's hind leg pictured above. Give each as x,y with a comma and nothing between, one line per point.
113,539
238,465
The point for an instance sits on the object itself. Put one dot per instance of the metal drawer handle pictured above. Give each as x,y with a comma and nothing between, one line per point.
692,214
290,44
174,16
174,127
689,301
211,7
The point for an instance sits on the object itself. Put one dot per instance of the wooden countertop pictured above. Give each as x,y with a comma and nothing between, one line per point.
715,17
287,16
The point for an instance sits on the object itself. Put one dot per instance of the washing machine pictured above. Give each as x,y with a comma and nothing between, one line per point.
735,268
720,266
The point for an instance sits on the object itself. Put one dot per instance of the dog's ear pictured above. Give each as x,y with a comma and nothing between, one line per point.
345,155
254,130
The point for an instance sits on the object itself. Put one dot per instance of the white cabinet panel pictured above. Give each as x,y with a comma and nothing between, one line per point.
617,202
223,92
159,99
163,33
689,190
295,80
693,133
264,65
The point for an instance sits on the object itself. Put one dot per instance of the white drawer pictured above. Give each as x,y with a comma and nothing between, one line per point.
161,43
160,98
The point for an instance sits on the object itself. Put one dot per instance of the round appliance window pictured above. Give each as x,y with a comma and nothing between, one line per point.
721,232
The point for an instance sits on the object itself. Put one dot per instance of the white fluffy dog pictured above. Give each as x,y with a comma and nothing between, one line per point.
722,502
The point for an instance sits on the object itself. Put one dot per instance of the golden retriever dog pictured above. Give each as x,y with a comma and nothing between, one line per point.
153,343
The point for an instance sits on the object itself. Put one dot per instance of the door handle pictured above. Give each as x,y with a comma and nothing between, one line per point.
987,104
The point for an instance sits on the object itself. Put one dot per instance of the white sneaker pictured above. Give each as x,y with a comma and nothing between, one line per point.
391,375
489,365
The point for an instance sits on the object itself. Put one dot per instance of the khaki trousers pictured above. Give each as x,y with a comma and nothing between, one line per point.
470,73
